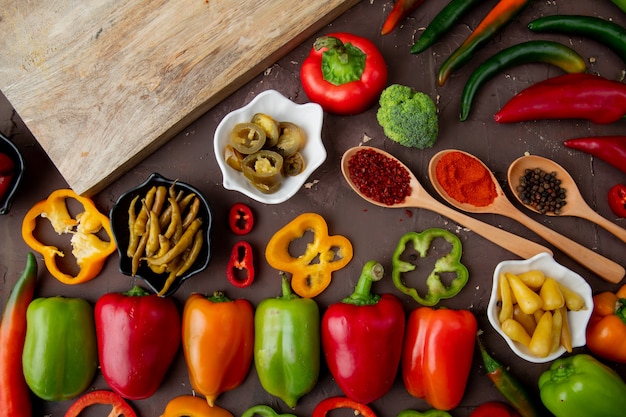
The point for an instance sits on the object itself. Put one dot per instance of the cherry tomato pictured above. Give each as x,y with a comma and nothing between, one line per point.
617,200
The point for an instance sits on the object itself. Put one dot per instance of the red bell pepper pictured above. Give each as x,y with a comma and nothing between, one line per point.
437,355
617,199
401,9
241,260
102,397
569,96
344,73
362,339
494,409
333,403
14,392
610,149
240,219
7,170
138,336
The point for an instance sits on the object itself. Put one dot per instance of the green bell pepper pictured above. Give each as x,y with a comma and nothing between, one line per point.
60,356
287,345
449,263
582,386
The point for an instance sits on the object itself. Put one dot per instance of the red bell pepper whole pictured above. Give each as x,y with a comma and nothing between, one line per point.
362,339
240,219
138,336
101,397
610,149
323,74
14,392
401,9
437,355
569,96
494,409
617,199
241,260
333,403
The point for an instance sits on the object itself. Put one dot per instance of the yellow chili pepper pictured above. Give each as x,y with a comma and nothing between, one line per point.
528,300
551,295
541,341
191,406
506,310
311,271
89,250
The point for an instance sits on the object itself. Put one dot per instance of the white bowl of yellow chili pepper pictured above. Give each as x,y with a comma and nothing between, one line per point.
540,307
162,230
268,149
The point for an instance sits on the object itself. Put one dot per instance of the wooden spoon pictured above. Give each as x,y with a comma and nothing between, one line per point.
603,267
419,198
576,205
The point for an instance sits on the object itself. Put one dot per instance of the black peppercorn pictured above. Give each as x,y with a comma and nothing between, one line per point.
542,191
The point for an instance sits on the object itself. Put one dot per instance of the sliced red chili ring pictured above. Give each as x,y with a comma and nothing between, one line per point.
241,262
120,406
332,403
240,219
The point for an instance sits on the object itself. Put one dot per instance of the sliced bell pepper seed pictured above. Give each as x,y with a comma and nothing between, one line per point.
333,403
240,219
241,261
120,406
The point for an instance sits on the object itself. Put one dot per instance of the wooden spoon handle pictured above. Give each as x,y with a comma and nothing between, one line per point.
603,267
518,245
606,224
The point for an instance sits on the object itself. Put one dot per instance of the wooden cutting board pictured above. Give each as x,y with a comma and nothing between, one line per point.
101,84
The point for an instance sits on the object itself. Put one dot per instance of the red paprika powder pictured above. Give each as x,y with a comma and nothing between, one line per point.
379,177
465,179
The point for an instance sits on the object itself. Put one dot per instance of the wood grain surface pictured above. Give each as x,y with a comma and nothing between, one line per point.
101,84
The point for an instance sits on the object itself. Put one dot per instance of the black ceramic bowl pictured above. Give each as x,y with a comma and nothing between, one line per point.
119,224
8,148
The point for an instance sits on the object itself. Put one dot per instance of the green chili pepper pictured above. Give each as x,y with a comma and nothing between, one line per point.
60,355
287,345
442,23
581,386
450,263
621,4
263,411
501,14
512,389
603,31
547,52
429,413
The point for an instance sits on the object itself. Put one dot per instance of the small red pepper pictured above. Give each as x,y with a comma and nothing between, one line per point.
103,397
333,403
610,149
7,169
362,339
240,219
569,96
617,200
241,262
401,9
494,409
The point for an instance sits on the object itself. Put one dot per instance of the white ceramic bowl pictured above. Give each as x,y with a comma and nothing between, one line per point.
577,319
309,117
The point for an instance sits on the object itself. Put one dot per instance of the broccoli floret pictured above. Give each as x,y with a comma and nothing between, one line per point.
408,117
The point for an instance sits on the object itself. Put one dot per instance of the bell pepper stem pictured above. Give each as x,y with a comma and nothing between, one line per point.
286,289
136,291
372,271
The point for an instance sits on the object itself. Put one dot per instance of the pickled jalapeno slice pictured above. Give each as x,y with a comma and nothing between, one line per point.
293,165
264,170
247,138
269,126
233,157
291,139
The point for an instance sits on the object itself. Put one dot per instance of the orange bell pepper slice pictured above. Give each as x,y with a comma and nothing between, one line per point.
89,250
191,406
606,331
311,271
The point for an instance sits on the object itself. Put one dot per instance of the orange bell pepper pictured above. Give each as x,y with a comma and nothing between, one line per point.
218,341
190,406
606,331
89,250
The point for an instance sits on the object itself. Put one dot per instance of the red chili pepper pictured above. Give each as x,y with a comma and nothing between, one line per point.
569,96
241,261
344,73
610,149
362,339
617,200
240,219
7,169
333,403
494,409
401,9
138,336
14,393
437,355
103,397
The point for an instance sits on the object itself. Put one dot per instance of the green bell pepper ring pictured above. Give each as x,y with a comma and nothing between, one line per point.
263,411
582,386
60,356
287,345
449,263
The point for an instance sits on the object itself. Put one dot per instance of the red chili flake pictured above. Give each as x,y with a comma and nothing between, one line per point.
379,177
